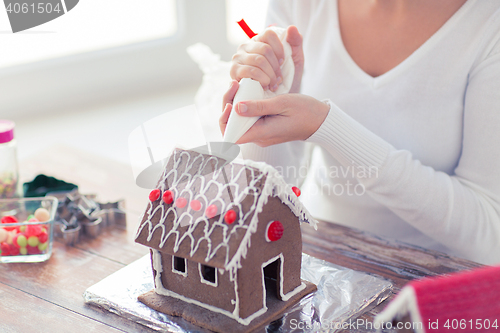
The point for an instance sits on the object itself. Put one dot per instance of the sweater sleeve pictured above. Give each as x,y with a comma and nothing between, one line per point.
461,210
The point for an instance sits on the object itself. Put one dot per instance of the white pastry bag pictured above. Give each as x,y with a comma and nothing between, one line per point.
252,90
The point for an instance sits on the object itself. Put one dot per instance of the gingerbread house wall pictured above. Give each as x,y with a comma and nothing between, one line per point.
249,277
190,285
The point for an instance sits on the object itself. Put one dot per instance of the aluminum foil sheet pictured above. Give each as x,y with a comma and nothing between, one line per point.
342,294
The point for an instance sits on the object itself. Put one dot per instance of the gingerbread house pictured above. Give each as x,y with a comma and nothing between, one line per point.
224,238
465,302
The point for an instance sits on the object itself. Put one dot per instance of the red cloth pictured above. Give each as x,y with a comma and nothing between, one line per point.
466,302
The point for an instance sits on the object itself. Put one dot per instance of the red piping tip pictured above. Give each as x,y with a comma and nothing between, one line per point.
246,28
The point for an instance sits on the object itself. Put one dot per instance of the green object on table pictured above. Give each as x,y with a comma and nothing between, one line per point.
43,184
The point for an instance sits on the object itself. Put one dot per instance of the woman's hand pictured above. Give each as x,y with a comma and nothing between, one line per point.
287,117
261,58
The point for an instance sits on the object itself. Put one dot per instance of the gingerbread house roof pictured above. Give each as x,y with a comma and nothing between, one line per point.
457,299
204,181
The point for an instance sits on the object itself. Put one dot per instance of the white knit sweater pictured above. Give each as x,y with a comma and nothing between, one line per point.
421,142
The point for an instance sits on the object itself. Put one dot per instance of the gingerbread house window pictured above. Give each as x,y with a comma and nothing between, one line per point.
208,274
179,265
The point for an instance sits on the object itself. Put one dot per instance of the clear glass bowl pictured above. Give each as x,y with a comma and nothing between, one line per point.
26,241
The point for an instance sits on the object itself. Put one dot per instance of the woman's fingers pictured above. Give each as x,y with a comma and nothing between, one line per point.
284,118
224,117
227,101
230,93
294,38
265,132
254,134
240,71
252,60
271,38
263,107
260,60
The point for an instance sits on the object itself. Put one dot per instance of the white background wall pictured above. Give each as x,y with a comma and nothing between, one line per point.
90,94
111,74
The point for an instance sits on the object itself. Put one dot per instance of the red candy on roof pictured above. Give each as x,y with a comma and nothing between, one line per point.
181,202
168,197
195,205
296,190
211,211
230,216
154,195
238,190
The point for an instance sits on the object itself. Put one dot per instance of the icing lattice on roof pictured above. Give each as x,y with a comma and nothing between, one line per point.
243,187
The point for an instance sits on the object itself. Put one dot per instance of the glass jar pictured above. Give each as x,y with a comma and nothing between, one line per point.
10,186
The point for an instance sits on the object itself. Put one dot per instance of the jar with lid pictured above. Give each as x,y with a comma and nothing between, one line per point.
10,186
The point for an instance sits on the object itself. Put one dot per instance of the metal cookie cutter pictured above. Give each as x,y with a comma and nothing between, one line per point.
83,214
92,227
113,214
69,232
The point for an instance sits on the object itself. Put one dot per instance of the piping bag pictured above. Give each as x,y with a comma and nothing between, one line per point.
252,90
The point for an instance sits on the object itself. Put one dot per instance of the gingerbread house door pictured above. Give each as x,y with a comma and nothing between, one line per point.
272,277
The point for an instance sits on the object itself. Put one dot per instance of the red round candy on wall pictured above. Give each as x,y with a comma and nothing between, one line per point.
181,202
154,194
168,197
230,216
211,211
275,231
296,190
195,205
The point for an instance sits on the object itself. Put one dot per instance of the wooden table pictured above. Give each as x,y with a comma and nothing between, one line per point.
47,297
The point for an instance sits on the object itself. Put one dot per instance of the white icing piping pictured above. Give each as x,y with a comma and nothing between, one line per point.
278,187
282,190
274,186
202,279
246,321
158,267
250,190
176,271
404,303
284,297
267,232
161,290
